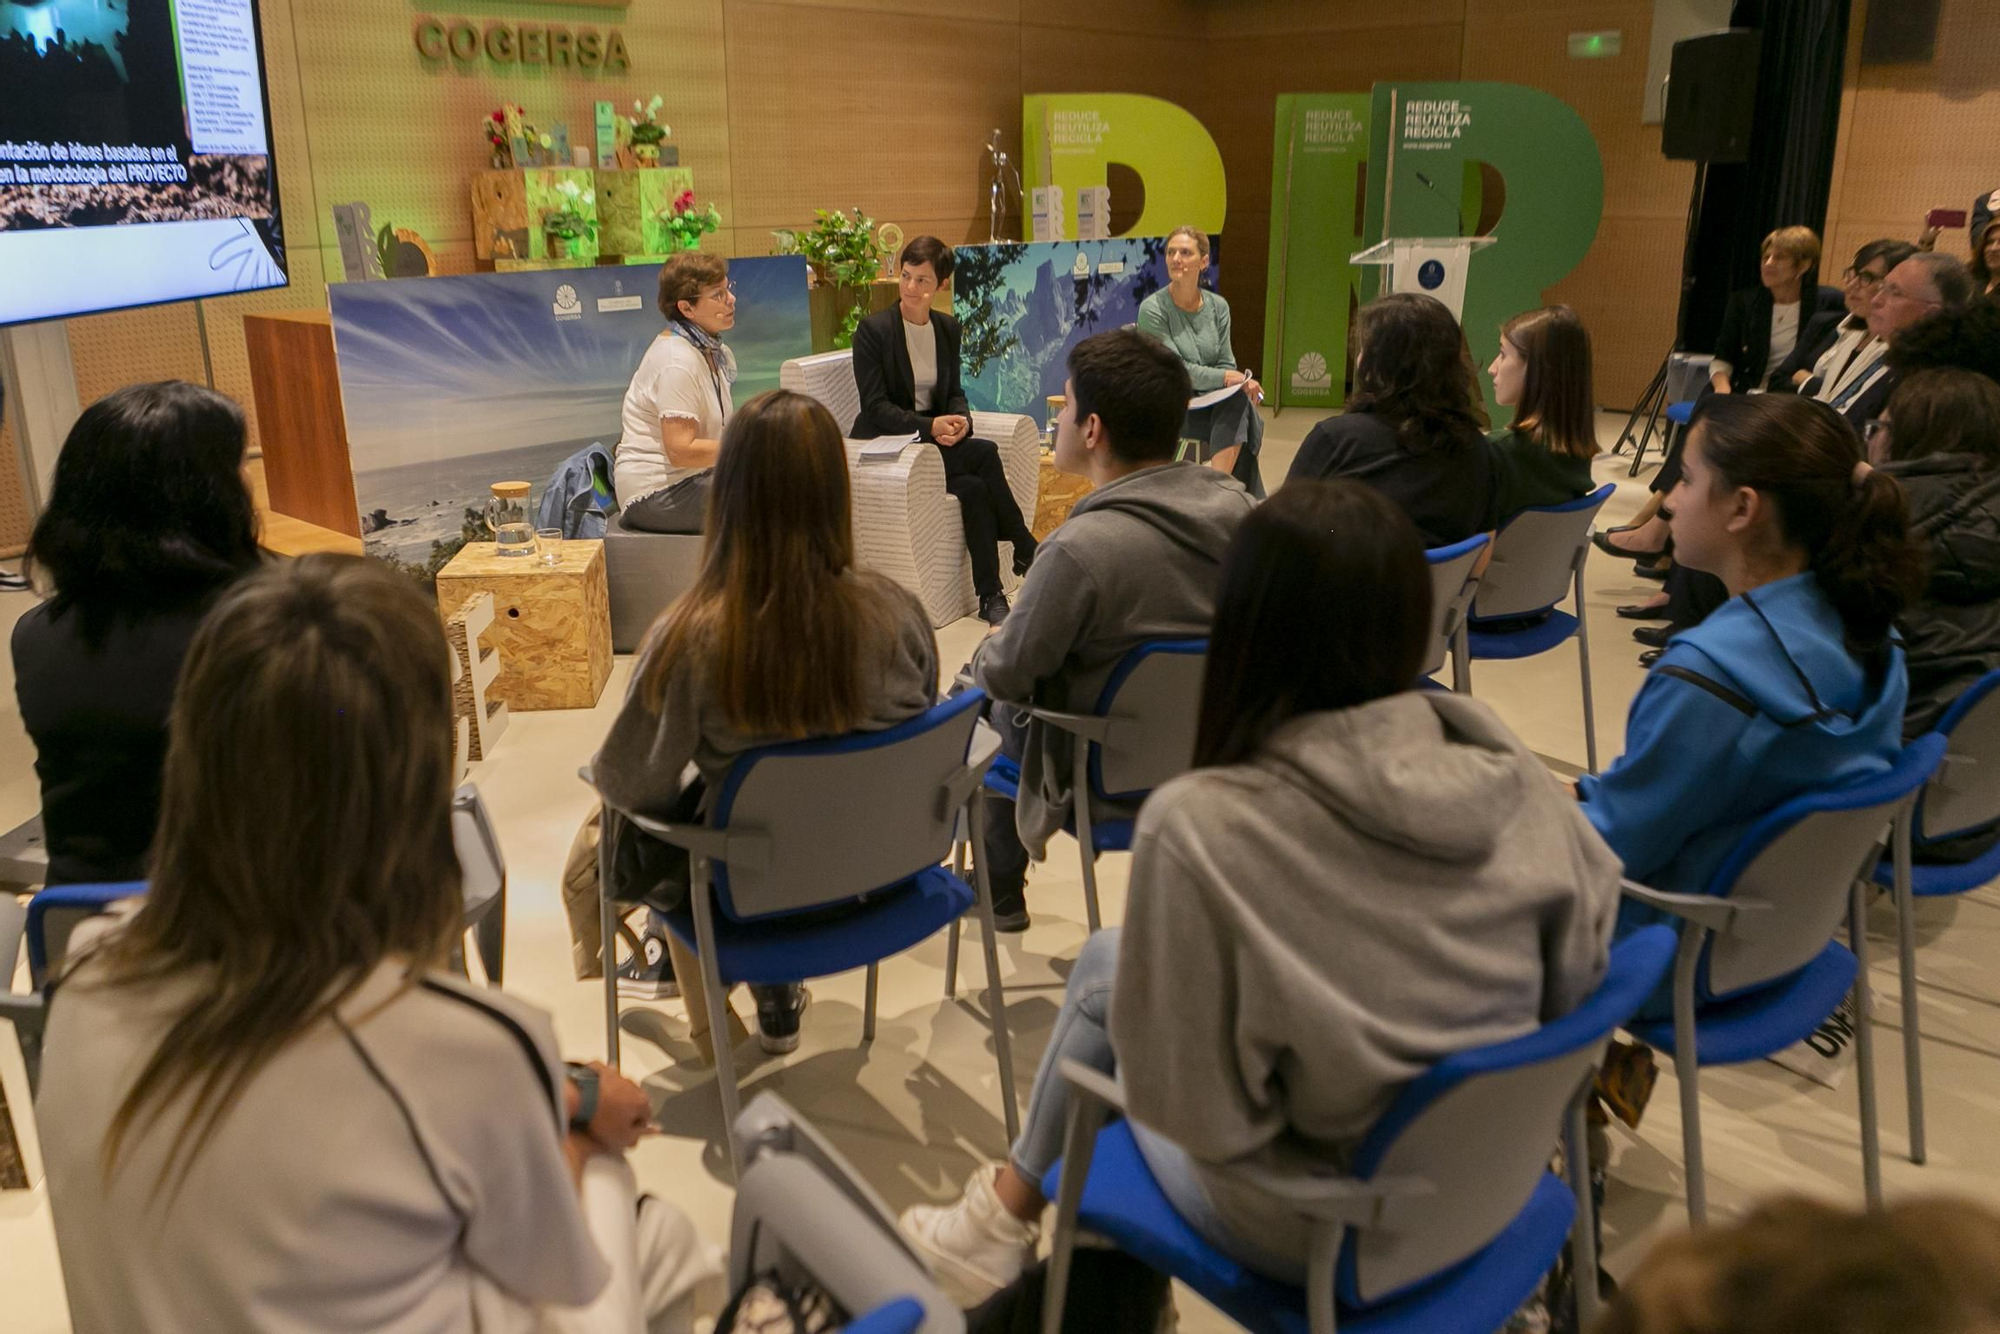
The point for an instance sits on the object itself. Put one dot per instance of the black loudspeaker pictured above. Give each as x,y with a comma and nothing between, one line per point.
1711,97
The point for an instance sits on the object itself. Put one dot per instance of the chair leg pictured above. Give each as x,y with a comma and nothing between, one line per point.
1583,661
1080,800
1583,1241
996,1001
1323,1256
717,999
868,1013
490,934
607,921
1461,659
1864,1046
1086,1118
1687,1071
1906,950
951,939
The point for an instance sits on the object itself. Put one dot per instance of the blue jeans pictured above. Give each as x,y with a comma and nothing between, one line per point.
1083,1034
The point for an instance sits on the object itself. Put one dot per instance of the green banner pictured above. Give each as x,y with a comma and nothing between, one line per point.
1317,162
1068,139
1486,159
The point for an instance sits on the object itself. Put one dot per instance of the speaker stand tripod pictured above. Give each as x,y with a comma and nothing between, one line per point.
1653,403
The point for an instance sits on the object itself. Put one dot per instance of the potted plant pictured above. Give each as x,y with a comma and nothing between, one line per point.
648,131
573,219
495,127
844,256
685,224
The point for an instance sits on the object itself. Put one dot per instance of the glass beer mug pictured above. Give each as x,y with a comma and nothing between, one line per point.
507,515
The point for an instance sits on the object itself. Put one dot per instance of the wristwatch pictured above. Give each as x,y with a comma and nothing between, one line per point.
585,1080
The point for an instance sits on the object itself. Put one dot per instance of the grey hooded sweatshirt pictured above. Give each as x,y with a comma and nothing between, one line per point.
1138,559
1377,888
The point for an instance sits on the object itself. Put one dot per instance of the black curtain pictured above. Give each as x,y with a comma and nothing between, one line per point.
1790,169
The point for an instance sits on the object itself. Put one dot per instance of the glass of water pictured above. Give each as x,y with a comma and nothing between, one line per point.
550,540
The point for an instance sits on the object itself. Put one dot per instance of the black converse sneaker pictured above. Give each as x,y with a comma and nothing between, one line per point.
649,974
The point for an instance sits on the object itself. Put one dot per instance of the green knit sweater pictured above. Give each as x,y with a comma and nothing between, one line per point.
1200,339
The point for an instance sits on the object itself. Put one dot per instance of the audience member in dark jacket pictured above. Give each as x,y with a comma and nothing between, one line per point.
148,520
1415,428
1762,326
1941,439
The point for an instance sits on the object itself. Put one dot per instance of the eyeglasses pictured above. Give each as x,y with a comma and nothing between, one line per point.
726,292
1873,427
1863,278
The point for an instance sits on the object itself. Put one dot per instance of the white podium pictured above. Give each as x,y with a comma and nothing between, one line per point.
1433,265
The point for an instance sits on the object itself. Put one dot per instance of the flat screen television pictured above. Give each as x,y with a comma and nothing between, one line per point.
135,155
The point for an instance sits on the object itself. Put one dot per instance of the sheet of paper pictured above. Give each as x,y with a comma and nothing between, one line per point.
1209,400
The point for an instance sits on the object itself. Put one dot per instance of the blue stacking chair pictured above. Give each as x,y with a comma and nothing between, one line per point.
1141,734
1453,583
1964,798
1538,561
803,1213
1448,1218
859,821
56,911
1758,967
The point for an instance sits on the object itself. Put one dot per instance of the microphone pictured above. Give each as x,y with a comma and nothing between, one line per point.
1457,222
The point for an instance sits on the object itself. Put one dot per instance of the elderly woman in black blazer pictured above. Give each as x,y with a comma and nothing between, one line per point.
1761,325
906,366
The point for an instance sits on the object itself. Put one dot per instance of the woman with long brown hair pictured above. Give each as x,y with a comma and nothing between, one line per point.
264,1106
1415,427
781,638
1542,371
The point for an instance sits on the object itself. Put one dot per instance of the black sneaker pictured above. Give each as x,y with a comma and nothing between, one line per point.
649,973
1010,912
778,1013
993,608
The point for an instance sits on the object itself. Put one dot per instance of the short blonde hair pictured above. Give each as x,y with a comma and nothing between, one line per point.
1799,243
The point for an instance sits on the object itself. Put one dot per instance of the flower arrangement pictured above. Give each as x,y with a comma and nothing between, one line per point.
574,218
646,126
499,127
685,224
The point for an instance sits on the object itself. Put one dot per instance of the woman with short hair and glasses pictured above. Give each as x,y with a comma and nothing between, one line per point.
679,400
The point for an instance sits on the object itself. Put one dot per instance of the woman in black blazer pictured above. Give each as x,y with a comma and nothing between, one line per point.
1763,325
906,367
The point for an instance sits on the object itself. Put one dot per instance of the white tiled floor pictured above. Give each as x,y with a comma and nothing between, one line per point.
920,1107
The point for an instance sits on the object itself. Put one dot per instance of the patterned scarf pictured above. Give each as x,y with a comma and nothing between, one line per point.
720,358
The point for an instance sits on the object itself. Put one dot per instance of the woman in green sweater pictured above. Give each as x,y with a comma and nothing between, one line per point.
1195,324
1543,372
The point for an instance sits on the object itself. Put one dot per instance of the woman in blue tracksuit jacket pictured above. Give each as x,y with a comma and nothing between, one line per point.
1796,682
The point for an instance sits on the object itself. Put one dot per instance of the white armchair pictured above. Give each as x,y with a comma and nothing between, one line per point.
905,523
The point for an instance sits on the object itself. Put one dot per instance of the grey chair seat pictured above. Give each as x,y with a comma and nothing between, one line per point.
647,571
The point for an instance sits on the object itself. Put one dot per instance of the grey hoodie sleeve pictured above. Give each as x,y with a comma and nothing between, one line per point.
1057,601
1576,937
639,766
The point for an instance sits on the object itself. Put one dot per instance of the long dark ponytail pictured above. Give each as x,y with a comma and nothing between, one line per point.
1803,456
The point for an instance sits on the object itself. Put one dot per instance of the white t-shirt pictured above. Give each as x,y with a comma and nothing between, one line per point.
1784,334
398,1169
673,380
921,339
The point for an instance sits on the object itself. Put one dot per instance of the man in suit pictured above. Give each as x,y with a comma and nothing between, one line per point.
1915,290
906,367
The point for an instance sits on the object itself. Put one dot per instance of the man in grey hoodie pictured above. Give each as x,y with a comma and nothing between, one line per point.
1136,560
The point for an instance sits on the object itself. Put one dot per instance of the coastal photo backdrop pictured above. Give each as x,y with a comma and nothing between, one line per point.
452,384
1026,304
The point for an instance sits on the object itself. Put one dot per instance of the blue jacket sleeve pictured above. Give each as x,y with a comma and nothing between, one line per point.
1680,774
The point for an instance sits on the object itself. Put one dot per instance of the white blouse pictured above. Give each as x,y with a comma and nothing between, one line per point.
673,380
921,339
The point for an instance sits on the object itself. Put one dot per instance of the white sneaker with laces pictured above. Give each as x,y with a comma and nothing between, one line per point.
974,1244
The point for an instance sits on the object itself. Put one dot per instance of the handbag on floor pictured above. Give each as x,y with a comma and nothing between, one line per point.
645,870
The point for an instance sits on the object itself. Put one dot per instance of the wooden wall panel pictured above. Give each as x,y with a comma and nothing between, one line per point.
1160,18
1627,290
899,133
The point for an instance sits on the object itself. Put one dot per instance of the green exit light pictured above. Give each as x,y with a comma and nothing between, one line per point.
1596,45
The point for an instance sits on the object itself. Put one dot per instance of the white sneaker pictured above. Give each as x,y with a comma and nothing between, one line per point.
975,1245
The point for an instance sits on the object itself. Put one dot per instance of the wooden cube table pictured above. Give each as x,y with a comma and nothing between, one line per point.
1057,496
551,623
